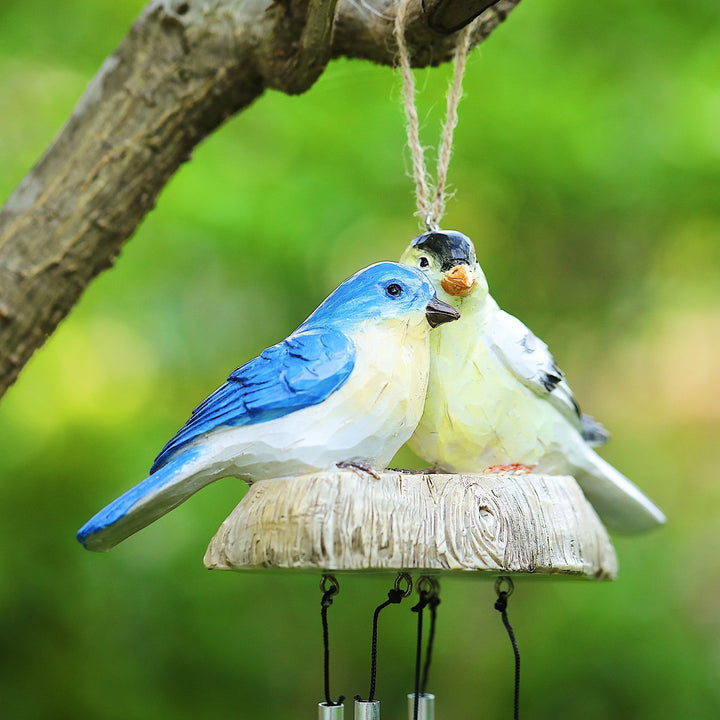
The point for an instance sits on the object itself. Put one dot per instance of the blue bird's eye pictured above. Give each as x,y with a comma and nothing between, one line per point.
393,290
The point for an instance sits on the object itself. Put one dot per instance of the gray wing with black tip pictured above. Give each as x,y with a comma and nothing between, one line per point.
529,360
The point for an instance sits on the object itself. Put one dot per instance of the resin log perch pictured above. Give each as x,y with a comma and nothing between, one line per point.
494,523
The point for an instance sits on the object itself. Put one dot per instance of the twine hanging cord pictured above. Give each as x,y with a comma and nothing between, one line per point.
430,202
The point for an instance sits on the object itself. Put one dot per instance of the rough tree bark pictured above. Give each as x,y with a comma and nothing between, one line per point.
183,68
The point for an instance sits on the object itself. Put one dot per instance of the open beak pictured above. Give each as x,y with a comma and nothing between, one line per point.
437,312
459,281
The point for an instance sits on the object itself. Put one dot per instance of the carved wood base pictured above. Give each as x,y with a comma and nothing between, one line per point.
345,520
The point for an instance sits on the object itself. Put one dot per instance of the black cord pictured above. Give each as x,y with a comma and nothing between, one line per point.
330,587
429,590
424,598
395,596
433,602
501,607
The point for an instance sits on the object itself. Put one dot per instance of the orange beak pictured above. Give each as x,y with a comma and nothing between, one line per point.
458,281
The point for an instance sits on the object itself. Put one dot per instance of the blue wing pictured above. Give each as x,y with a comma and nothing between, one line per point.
298,372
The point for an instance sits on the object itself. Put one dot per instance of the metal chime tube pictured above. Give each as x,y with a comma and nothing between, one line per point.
367,710
426,706
331,712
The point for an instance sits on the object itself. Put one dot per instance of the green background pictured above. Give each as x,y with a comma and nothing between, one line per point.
587,170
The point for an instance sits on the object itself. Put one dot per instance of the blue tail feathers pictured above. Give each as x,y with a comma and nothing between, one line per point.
148,500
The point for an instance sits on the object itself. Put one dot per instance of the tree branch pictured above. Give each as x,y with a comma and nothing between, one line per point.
449,16
183,68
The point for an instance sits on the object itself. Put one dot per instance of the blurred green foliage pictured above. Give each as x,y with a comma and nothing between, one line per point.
587,169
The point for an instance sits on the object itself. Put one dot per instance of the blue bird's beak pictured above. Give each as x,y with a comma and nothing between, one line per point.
437,312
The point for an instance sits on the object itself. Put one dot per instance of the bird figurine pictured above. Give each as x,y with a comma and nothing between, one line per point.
346,388
496,398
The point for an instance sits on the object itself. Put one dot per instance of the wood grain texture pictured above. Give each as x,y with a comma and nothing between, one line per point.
494,523
184,67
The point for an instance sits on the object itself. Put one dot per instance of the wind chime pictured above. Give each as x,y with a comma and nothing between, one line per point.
416,523
504,521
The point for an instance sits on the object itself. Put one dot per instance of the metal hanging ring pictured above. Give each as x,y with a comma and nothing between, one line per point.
430,223
509,586
408,580
426,584
334,587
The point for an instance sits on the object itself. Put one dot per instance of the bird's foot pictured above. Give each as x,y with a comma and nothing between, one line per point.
515,468
432,470
360,468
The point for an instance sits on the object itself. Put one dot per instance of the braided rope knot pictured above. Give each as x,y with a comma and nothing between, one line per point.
430,201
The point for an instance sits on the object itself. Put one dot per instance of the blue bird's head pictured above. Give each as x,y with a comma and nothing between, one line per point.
383,291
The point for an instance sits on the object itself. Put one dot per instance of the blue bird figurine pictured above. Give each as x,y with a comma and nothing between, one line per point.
346,388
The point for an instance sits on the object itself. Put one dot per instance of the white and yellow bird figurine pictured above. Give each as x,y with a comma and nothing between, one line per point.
496,397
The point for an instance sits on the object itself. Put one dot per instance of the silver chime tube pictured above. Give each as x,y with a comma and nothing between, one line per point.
367,710
426,706
331,712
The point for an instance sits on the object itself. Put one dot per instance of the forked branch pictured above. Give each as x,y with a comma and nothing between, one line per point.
183,68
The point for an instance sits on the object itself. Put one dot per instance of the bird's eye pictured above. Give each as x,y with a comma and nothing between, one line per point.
393,290
423,262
